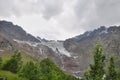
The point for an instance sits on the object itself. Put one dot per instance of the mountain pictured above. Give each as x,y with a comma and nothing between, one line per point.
15,36
38,48
108,37
72,55
82,45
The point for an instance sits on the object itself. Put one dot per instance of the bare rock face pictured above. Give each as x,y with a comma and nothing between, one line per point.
5,44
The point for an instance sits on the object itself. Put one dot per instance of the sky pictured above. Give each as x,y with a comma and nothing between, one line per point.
60,19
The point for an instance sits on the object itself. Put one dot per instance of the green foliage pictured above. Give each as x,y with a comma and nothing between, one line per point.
10,76
87,76
118,74
96,71
30,71
112,74
44,70
69,77
48,69
14,63
0,62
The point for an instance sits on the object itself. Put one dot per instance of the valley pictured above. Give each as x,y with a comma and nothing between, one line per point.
74,55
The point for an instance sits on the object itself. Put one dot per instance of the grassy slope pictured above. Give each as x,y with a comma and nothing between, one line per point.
6,56
10,76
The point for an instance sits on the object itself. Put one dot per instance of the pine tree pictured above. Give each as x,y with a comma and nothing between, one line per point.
112,74
97,69
14,63
30,71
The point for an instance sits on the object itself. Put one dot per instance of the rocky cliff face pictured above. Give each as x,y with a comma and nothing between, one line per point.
5,44
108,37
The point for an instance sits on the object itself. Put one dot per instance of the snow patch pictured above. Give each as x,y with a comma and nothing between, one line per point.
1,50
75,57
103,32
34,44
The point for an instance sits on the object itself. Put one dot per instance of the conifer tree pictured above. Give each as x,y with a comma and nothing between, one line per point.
96,71
30,71
112,74
14,63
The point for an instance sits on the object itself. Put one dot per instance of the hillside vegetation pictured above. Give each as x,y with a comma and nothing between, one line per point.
10,76
14,68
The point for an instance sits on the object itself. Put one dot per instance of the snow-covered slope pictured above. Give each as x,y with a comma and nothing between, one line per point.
57,46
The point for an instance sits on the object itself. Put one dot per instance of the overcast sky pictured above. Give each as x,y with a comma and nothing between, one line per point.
60,19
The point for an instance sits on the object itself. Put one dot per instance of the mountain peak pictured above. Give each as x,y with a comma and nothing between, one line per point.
96,32
11,31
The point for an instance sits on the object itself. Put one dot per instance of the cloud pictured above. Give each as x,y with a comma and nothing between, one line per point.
5,8
52,8
108,11
95,13
47,8
60,19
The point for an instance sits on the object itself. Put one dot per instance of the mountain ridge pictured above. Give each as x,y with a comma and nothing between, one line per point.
9,30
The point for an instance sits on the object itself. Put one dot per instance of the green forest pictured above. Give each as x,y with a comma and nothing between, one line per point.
15,69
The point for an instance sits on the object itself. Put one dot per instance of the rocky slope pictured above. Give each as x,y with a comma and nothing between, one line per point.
5,44
83,44
108,37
